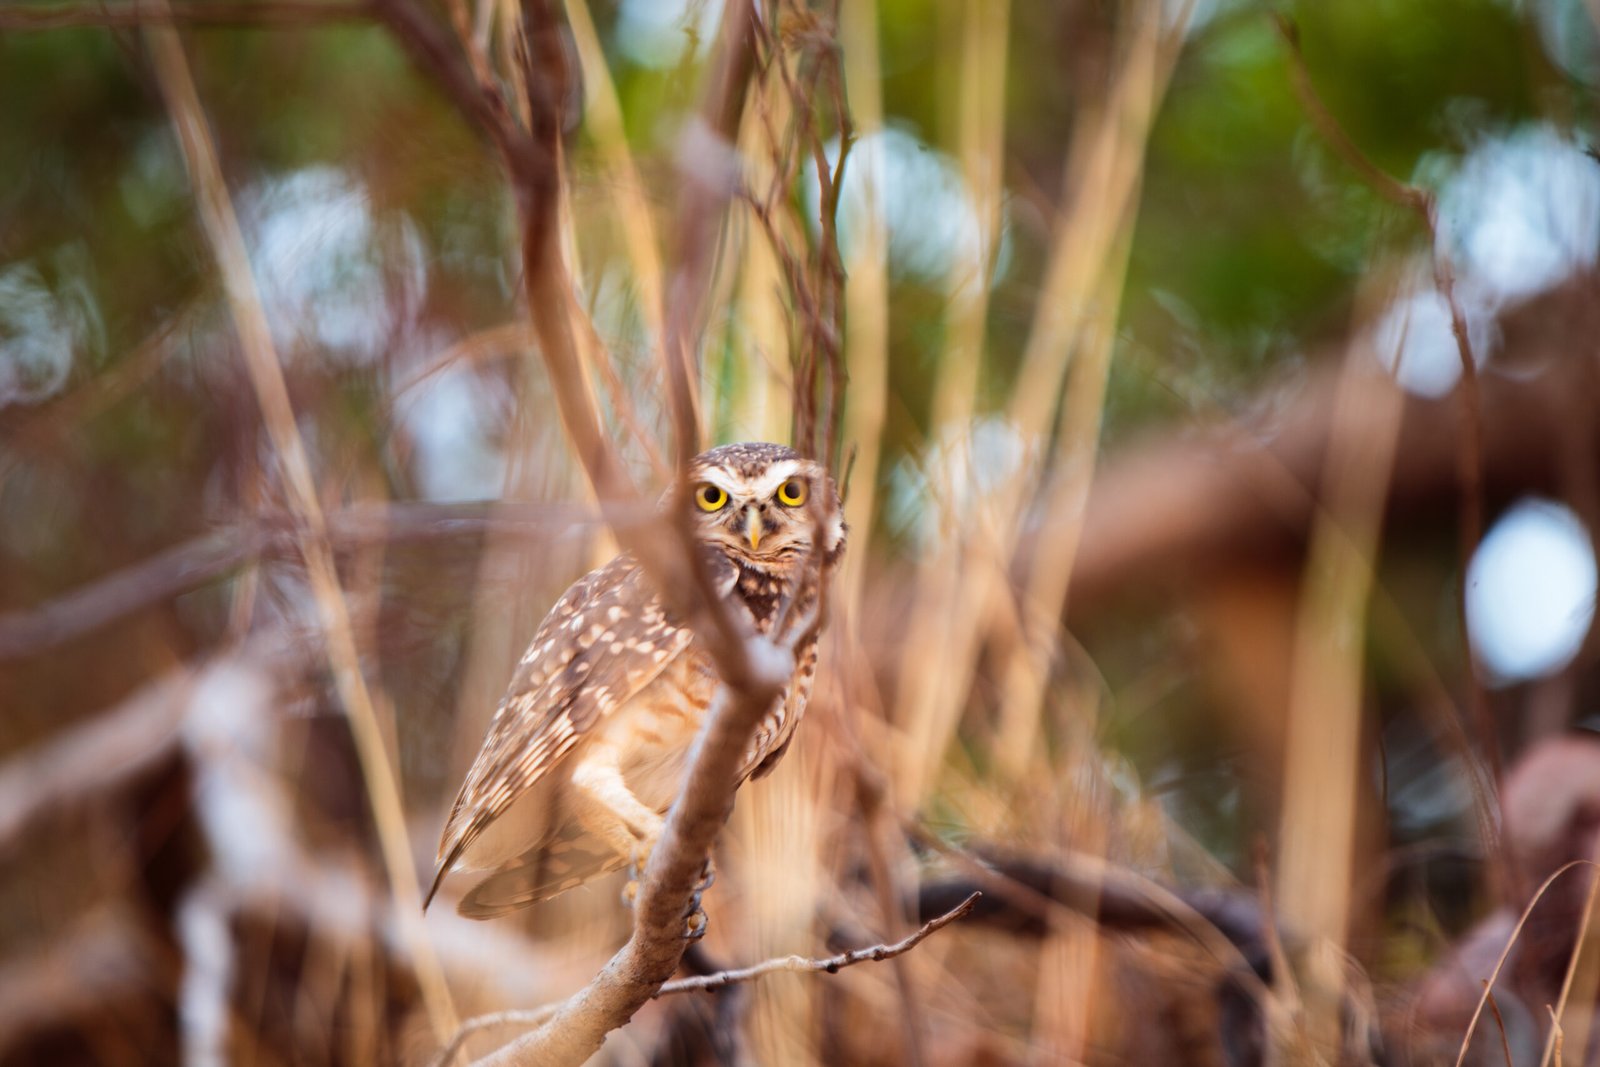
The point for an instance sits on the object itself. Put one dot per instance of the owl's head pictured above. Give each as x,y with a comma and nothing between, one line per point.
761,504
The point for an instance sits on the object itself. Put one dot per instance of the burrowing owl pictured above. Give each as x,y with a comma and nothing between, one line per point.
589,745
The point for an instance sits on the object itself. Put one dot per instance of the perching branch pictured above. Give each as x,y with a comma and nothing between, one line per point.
722,979
753,669
579,1026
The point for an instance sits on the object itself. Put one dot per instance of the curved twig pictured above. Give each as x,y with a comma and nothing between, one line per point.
1499,964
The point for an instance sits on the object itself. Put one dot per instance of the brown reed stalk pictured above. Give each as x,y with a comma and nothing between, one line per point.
1317,830
222,230
963,581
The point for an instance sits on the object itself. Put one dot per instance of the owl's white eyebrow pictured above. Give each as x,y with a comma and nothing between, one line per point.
716,478
779,473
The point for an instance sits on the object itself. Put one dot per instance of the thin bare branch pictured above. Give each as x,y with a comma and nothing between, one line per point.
830,964
431,48
721,979
1386,186
1581,941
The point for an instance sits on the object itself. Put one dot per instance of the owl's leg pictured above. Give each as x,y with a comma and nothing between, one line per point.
604,805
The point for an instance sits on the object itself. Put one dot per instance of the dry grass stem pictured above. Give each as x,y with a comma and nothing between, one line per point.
1317,839
1582,975
1505,953
636,221
227,245
866,298
961,581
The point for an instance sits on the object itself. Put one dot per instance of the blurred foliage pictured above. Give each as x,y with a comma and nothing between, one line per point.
1251,239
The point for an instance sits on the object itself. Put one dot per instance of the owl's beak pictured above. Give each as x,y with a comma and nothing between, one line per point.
752,526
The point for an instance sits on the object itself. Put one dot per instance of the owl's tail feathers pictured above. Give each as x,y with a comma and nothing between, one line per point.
438,879
568,861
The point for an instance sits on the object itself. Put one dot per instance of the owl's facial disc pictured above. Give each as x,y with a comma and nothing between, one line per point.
761,519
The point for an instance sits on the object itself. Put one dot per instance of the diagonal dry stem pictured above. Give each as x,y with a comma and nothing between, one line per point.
866,297
222,230
1583,970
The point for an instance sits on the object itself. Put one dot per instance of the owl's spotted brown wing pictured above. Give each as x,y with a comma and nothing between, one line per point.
607,637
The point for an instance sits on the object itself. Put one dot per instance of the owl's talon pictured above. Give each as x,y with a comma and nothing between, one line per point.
638,860
708,878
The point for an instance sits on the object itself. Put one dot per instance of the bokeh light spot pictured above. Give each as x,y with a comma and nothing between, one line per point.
1531,591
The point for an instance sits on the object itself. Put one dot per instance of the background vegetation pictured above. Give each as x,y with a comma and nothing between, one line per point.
1167,493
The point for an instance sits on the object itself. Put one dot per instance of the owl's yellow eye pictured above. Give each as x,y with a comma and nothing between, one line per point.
710,497
792,493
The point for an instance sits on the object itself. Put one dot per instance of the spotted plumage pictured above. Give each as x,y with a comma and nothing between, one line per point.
588,747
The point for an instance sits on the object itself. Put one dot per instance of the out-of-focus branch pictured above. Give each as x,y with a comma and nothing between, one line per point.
1194,505
1030,896
603,119
214,555
107,757
1317,844
1385,185
185,566
432,49
20,18
815,281
721,979
549,288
